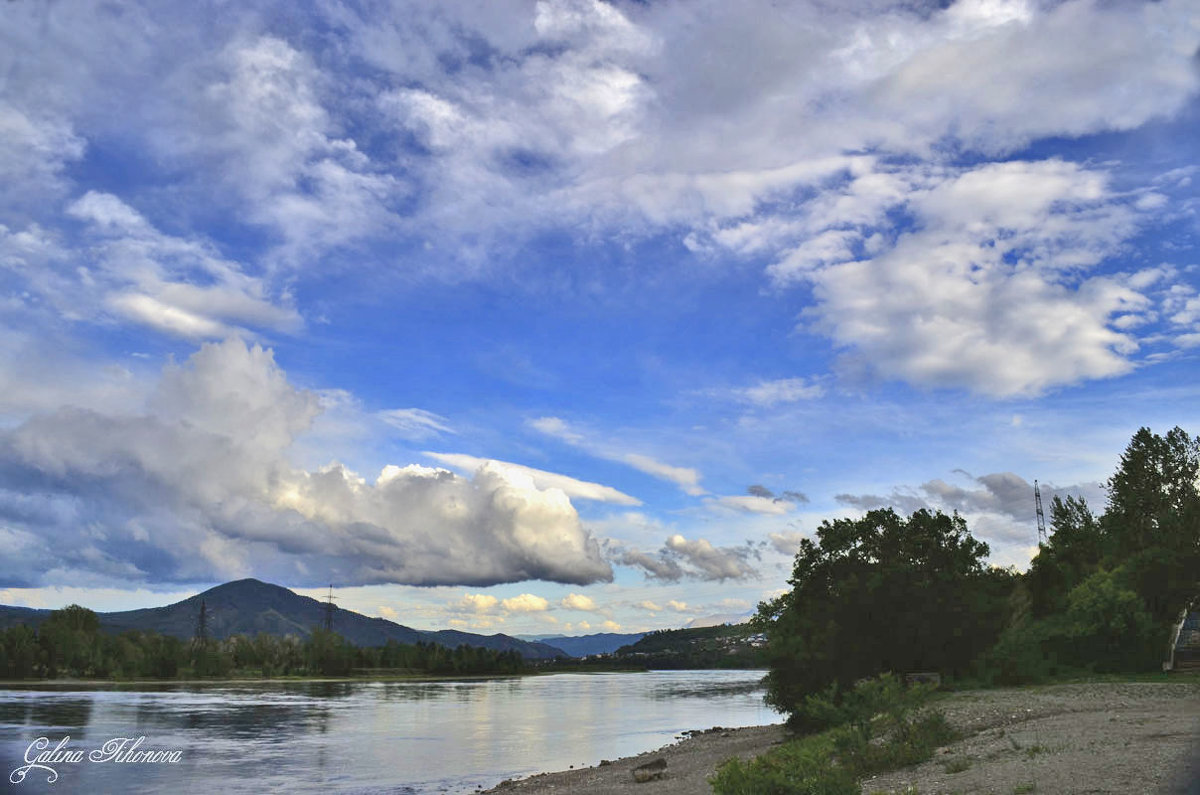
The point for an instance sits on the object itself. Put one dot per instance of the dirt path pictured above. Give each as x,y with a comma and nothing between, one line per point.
1127,738
1086,738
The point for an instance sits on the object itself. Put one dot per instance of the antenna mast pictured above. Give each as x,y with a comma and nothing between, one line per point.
1041,515
329,608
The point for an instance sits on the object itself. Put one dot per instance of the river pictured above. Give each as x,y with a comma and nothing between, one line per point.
356,737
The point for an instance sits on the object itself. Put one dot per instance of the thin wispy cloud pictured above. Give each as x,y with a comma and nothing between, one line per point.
687,478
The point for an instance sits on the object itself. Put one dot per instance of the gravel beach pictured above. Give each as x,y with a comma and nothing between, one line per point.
1074,738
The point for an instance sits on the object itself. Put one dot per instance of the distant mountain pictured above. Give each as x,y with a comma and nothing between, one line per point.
584,645
250,607
719,620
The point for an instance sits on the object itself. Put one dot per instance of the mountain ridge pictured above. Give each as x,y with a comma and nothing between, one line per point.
250,607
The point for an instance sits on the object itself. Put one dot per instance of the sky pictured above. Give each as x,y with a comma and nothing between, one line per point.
574,316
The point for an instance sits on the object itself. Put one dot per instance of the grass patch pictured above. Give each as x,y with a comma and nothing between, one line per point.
878,727
957,765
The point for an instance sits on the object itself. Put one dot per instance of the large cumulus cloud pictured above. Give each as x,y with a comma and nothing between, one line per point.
198,487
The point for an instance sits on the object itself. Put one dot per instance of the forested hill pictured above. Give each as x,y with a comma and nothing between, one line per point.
725,646
599,643
251,607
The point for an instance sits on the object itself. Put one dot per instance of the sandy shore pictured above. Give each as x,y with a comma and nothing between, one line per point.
1079,738
689,764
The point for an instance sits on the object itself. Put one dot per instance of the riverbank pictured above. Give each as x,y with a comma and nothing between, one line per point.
690,762
1111,737
67,682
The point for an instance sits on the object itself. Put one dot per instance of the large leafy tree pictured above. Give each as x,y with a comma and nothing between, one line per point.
881,593
1153,499
1152,525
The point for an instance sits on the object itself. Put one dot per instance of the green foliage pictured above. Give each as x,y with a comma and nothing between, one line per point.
873,729
1074,551
1109,627
799,767
68,639
20,657
69,643
1152,525
1027,653
328,654
881,593
1153,495
858,706
1104,590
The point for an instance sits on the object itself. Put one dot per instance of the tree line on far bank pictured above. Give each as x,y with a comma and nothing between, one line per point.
69,643
887,593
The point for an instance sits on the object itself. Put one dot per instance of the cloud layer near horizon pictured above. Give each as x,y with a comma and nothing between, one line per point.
198,488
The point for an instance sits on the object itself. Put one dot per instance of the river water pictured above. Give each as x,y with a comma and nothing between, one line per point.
358,737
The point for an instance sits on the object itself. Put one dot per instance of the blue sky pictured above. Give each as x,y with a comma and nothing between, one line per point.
572,316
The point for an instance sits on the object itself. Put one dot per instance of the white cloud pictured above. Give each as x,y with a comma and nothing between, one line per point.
582,117
681,607
525,603
415,424
783,390
686,478
750,503
200,488
569,486
127,267
477,603
35,148
989,290
751,157
263,115
578,601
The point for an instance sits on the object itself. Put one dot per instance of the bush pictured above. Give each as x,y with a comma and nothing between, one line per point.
832,762
1108,626
800,767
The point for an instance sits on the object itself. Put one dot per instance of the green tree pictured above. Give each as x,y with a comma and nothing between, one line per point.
71,642
1152,497
1108,627
1152,523
879,594
1074,551
19,653
328,654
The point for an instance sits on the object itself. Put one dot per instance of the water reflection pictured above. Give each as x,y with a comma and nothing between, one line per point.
323,737
66,714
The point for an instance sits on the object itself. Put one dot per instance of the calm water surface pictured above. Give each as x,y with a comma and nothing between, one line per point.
367,737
